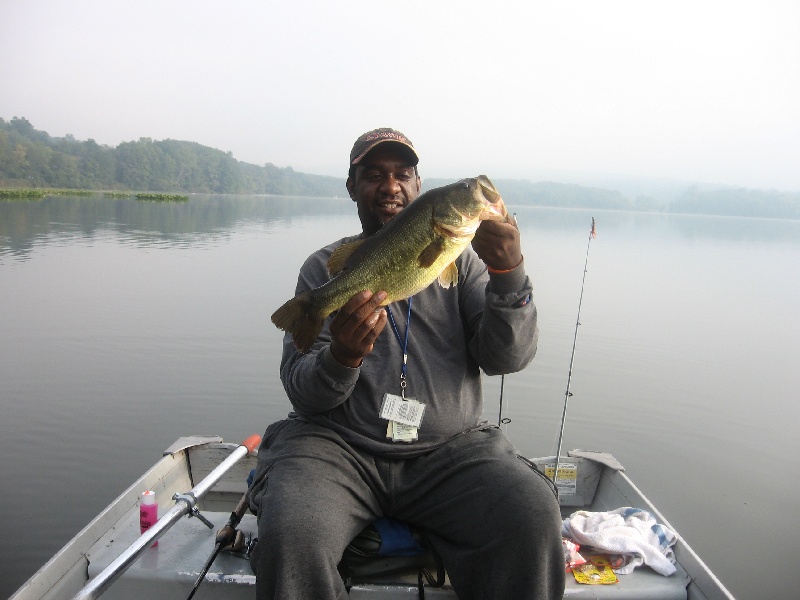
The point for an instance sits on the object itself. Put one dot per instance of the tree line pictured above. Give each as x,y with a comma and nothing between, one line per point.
32,158
550,193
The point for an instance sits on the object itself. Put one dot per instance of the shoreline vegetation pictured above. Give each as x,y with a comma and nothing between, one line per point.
34,164
39,193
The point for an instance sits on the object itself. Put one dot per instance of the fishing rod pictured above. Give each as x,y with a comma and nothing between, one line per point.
228,536
501,420
567,394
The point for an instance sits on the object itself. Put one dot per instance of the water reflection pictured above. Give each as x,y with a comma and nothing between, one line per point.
24,224
207,218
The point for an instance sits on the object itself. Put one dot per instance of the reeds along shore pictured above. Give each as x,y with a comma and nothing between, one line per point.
162,197
39,193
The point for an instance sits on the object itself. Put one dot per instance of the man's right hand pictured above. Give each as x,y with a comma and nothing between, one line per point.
356,326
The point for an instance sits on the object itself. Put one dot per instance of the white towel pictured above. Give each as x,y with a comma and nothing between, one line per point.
632,532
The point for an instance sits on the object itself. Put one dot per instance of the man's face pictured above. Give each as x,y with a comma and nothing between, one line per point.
383,184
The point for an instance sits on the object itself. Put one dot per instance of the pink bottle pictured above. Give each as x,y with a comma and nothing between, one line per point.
148,512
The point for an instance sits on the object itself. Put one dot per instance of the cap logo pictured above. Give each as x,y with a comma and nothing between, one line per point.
386,135
367,141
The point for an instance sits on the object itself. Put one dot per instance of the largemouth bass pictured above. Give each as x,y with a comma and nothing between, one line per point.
417,247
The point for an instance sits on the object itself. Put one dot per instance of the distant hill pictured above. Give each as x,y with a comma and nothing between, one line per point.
32,158
738,202
548,193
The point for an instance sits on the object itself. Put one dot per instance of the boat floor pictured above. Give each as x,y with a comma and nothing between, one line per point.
171,568
596,483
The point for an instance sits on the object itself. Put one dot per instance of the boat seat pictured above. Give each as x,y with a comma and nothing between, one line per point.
389,547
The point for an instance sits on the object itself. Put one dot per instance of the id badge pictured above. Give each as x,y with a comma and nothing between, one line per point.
398,432
407,411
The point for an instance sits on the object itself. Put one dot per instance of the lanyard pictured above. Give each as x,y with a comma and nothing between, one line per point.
403,344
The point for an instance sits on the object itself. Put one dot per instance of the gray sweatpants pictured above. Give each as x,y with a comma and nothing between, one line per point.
495,522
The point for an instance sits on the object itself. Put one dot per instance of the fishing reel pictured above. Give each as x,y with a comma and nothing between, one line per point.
241,546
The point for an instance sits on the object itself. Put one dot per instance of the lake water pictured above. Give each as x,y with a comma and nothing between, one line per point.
125,325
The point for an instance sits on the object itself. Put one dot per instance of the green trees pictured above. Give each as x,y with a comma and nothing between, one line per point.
32,158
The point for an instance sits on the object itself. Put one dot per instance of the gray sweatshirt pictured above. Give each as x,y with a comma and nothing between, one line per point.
486,322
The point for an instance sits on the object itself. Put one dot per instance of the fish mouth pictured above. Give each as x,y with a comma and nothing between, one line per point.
495,208
487,188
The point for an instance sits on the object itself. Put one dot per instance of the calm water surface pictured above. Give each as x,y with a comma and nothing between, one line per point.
125,325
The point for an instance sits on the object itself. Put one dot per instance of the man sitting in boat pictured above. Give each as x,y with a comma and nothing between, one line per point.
337,463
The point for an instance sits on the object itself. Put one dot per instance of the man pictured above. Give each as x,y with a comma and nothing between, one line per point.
334,465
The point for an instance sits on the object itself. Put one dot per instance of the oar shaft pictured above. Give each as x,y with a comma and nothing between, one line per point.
101,582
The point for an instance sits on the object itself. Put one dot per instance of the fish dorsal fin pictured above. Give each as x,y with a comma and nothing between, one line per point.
341,255
449,277
430,253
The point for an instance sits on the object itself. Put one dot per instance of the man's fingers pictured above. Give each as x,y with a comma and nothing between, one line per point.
373,326
361,305
356,302
357,325
498,244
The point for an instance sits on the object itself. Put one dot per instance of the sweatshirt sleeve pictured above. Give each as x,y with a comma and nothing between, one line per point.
501,317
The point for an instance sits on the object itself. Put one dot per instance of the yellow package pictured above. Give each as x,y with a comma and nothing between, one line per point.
591,574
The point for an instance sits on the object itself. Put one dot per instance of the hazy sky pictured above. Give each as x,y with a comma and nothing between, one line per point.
705,91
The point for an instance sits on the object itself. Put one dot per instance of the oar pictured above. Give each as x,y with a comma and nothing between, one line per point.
184,503
225,537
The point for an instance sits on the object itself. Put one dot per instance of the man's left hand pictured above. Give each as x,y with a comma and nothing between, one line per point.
498,245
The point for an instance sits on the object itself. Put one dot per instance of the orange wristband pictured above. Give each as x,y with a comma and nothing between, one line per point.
500,271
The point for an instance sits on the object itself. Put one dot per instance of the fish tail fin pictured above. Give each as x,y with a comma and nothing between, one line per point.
298,317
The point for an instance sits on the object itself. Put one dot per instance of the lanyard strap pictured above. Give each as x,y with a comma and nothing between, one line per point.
403,344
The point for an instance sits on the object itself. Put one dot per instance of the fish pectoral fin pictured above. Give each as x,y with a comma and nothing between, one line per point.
449,277
431,253
340,256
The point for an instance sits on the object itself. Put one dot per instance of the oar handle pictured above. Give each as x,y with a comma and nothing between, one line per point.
103,580
252,443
